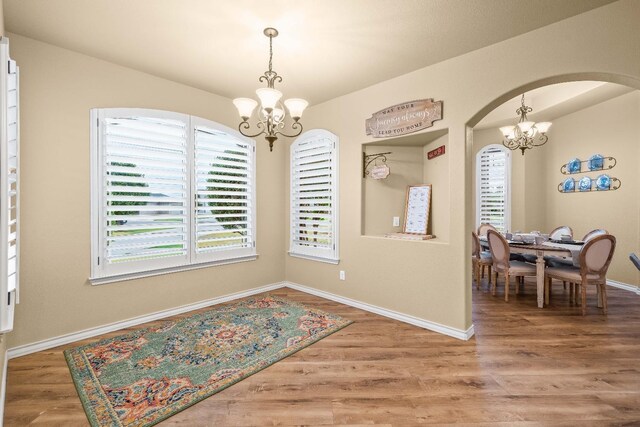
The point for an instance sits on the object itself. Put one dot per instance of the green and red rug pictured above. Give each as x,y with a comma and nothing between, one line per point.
146,376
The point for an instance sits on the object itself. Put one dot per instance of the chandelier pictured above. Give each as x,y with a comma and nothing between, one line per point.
525,134
271,114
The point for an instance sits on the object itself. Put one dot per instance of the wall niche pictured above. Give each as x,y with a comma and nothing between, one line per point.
384,199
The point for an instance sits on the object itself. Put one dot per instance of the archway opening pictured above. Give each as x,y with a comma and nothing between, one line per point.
592,114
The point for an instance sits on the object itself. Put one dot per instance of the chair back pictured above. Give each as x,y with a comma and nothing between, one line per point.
500,252
482,230
596,255
557,233
475,245
593,233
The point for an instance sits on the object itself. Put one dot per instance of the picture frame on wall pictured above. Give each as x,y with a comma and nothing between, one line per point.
417,207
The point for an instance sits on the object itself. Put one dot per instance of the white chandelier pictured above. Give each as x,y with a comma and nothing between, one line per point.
271,115
526,134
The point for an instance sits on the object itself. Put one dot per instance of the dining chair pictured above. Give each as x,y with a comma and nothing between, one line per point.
594,233
568,262
595,257
557,233
483,228
500,252
479,259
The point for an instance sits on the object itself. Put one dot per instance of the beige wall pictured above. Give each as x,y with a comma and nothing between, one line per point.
611,128
58,87
436,173
431,280
385,198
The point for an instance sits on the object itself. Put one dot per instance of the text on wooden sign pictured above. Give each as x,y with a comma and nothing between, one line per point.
404,118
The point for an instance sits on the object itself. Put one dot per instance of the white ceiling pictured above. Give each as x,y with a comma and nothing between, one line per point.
325,49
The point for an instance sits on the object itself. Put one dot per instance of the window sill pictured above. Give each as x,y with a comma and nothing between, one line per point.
315,258
131,276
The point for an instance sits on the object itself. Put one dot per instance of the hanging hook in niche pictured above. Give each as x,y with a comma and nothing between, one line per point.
367,159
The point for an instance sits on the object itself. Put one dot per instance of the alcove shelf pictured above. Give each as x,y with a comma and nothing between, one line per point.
384,199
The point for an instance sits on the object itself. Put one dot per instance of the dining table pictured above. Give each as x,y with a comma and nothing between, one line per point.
549,248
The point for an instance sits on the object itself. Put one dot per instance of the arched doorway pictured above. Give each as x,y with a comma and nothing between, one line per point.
631,277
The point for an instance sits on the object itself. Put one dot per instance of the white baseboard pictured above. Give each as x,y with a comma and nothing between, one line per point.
416,321
46,344
625,286
92,332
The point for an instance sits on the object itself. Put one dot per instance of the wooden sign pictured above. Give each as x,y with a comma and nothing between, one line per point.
380,172
404,118
435,153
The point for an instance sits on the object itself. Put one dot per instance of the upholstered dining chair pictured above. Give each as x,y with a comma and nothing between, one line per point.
557,233
595,257
502,265
483,228
594,233
568,262
479,259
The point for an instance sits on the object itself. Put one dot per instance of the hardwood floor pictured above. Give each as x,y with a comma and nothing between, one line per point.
525,366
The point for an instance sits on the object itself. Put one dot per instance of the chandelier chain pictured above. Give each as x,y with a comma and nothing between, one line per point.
270,54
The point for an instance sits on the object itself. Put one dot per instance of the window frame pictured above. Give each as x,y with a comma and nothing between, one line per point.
9,136
101,272
330,256
507,179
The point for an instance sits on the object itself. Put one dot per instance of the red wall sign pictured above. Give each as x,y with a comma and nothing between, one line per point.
435,153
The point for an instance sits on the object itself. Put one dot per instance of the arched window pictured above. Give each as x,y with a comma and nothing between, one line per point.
170,192
314,196
493,195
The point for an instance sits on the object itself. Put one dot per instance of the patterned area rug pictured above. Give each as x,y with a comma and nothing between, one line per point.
146,376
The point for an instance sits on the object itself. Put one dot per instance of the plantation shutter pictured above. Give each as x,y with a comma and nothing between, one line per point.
492,187
314,199
224,194
145,191
9,193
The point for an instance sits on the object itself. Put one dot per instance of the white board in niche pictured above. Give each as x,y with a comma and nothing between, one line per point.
416,214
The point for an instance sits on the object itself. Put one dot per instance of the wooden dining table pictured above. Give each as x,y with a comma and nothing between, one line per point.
561,250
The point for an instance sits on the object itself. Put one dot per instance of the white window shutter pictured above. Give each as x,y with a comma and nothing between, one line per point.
144,209
9,192
224,190
492,187
314,196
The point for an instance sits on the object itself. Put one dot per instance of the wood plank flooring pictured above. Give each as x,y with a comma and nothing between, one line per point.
525,366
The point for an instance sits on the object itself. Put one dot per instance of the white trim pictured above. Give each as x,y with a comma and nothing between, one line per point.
169,270
46,344
3,386
412,320
315,258
625,286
